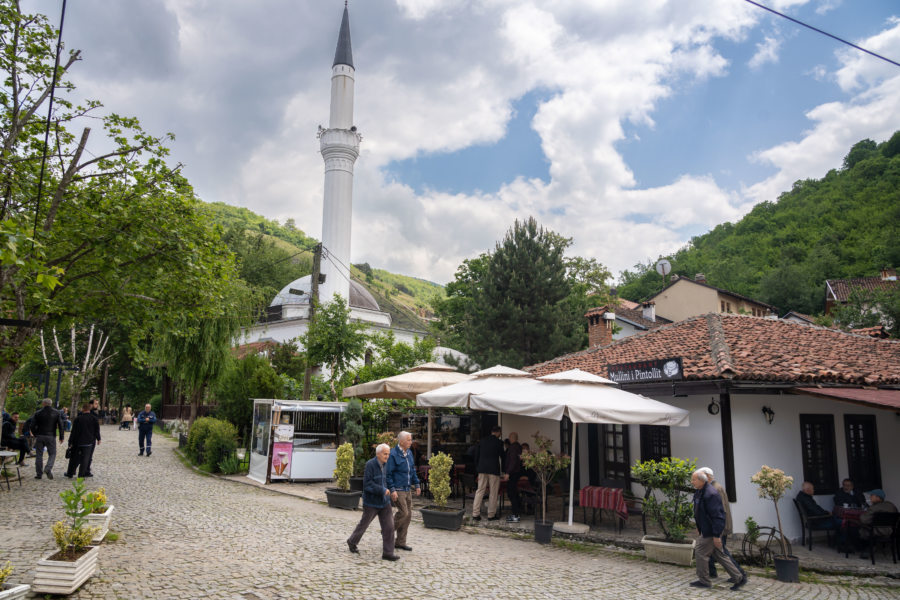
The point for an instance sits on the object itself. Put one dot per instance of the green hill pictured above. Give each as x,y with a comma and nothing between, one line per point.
846,224
274,254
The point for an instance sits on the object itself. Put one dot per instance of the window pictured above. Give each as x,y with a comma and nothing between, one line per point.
655,444
819,460
862,451
616,462
722,303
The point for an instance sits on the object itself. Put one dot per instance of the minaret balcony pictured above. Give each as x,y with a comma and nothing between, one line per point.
339,138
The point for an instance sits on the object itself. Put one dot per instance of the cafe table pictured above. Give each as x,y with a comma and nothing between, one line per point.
9,456
602,498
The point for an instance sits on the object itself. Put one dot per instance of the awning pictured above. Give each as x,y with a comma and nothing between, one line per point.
887,399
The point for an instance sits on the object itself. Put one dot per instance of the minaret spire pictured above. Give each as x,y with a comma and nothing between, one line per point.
339,145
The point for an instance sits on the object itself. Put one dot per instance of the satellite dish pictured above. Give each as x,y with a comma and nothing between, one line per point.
663,267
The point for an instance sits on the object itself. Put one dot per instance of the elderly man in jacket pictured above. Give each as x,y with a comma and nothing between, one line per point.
376,502
402,480
709,514
728,527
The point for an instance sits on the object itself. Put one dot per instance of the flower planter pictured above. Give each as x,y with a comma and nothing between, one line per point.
100,520
64,577
543,531
435,517
13,591
340,499
356,484
787,569
676,553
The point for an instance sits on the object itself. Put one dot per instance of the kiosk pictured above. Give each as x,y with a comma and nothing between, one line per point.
294,440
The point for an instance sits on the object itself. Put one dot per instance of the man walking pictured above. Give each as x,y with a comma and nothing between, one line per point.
45,424
376,502
710,476
710,518
487,463
146,418
85,434
402,480
514,472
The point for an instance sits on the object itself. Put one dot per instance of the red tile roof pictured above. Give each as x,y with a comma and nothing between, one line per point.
740,347
869,397
839,289
253,348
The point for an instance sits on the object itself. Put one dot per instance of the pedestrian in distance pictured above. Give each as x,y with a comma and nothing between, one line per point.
127,416
713,573
402,480
376,499
146,418
46,425
709,515
487,463
85,435
95,412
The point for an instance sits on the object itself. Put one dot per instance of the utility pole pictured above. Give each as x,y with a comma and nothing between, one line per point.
313,300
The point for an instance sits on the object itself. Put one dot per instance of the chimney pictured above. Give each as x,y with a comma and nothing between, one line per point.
700,277
600,324
649,310
888,274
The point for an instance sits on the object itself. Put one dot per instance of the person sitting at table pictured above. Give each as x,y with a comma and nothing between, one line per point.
849,497
8,437
812,509
878,505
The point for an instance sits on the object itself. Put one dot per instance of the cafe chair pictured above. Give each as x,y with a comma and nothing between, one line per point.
881,522
809,523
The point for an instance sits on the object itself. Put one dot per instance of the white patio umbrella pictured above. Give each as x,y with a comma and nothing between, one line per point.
584,398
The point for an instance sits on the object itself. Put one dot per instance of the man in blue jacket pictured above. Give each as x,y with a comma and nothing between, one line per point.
146,418
376,502
709,514
402,480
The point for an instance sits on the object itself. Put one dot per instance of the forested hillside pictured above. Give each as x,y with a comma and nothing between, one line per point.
271,255
846,224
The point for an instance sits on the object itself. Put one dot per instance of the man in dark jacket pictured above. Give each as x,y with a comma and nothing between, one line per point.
146,418
85,434
487,463
849,496
709,514
376,499
8,436
402,480
44,425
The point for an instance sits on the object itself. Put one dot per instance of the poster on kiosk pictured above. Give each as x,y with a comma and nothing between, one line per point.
282,449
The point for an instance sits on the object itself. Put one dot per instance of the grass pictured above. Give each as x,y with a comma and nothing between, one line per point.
112,536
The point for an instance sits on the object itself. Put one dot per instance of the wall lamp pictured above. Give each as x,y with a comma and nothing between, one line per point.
769,414
713,407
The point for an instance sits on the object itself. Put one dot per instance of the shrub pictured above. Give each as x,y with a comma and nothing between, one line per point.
344,465
197,437
545,464
5,572
671,477
773,484
439,477
220,443
97,501
230,465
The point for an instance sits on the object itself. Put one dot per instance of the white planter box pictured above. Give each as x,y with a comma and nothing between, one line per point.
64,577
669,552
101,521
13,591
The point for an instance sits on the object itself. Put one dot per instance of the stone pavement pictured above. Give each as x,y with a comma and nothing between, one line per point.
186,536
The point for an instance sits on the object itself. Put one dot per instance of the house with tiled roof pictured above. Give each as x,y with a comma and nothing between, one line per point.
819,403
837,291
684,297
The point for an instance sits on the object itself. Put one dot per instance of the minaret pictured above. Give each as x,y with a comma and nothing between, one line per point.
339,147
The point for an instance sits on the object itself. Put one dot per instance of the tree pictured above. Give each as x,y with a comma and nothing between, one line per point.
88,233
94,357
334,340
523,303
870,308
243,380
390,357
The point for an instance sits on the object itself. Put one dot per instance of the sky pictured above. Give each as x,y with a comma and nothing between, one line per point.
628,125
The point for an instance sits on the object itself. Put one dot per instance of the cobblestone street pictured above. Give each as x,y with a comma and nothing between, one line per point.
185,535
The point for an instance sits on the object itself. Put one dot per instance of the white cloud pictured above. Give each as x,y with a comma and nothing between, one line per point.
766,52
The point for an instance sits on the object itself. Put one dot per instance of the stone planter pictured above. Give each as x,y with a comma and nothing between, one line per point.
13,591
543,531
435,517
787,569
100,520
64,577
338,498
669,552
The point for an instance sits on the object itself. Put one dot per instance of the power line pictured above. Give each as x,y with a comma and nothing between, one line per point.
817,30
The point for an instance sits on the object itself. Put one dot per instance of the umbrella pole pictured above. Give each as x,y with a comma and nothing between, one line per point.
572,473
430,423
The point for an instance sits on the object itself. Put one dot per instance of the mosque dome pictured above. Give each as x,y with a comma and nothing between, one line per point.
360,297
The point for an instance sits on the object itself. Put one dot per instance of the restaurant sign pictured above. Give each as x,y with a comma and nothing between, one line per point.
664,369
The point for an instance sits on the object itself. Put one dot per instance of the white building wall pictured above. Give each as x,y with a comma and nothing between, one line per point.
526,426
626,330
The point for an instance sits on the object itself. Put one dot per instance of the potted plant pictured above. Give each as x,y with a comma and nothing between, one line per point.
11,591
773,484
439,516
668,501
64,571
354,434
545,464
101,513
342,496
